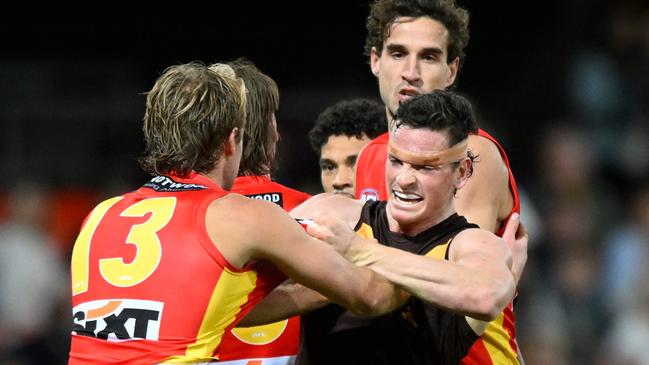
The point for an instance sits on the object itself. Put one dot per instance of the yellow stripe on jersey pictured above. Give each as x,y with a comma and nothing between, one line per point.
365,231
439,252
495,338
496,341
80,262
230,294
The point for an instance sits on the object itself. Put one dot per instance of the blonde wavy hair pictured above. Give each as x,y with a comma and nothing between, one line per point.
190,112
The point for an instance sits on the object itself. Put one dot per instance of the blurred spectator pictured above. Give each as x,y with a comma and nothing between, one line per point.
626,255
626,283
561,307
609,87
627,342
33,284
67,208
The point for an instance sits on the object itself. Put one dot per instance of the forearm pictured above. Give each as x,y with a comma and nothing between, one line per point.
464,290
287,300
380,296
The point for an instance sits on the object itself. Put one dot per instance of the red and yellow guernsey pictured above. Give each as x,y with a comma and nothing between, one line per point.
148,284
497,345
275,343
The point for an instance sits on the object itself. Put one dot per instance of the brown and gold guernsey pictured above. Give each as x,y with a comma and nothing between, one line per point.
498,344
148,284
417,333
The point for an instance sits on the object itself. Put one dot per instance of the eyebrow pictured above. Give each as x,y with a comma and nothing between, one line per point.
394,47
351,159
414,165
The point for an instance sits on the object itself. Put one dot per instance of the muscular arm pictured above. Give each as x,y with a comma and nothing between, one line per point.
476,281
292,298
337,206
287,300
485,199
273,235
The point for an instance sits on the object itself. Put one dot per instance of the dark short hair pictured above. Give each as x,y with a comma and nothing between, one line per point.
383,13
440,110
190,112
352,118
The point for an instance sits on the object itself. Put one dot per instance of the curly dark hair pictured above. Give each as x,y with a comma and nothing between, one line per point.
356,117
383,13
262,101
190,112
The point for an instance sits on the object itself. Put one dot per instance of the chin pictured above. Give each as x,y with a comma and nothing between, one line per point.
407,225
404,216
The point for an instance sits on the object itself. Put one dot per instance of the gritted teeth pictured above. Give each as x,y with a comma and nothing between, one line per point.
407,196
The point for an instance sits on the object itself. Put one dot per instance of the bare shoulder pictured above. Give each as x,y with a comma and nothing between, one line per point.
238,208
488,154
238,226
486,198
477,240
476,235
340,206
325,201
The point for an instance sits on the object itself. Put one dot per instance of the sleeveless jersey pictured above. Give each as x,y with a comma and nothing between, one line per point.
275,343
371,185
415,334
370,170
148,284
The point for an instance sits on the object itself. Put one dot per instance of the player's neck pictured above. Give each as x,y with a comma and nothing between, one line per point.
216,175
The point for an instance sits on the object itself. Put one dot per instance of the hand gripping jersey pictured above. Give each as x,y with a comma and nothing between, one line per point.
416,334
276,343
499,340
148,284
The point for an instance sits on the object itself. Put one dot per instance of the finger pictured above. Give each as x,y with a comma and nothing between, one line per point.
318,231
321,217
512,225
521,231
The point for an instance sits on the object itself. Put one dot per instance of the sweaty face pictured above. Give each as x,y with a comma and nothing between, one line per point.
413,60
337,160
420,196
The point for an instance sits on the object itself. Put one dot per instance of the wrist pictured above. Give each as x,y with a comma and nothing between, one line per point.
362,251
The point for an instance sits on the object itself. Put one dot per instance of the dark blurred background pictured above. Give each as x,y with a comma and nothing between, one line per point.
564,85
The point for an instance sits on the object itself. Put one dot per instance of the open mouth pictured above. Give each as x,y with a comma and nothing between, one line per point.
404,95
406,198
408,92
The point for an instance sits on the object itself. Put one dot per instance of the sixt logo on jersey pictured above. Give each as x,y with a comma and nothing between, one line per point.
118,319
276,198
165,184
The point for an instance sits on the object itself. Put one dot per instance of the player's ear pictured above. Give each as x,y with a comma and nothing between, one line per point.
375,61
464,170
233,140
453,68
